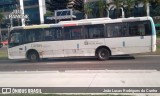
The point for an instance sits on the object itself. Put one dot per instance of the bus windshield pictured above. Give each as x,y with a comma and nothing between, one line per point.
15,39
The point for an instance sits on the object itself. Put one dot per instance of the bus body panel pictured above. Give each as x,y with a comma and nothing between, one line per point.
17,52
129,45
153,35
73,48
154,45
92,44
52,49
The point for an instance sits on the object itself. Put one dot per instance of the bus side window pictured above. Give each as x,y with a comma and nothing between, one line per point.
38,34
67,33
133,29
77,33
86,32
74,32
114,30
52,34
140,28
58,34
94,31
148,30
33,35
125,31
16,38
47,35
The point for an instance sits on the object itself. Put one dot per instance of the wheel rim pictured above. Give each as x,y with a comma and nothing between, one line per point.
103,54
33,57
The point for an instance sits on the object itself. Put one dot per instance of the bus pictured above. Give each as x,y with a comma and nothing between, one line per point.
100,37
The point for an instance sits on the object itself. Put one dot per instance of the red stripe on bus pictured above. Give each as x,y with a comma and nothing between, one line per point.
66,25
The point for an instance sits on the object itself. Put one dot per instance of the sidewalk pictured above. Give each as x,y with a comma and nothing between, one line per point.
95,78
85,79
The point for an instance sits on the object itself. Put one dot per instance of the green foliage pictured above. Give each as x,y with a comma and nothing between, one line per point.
118,5
128,4
101,7
3,54
48,13
88,9
1,17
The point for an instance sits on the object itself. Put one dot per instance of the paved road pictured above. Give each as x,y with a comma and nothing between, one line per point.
67,64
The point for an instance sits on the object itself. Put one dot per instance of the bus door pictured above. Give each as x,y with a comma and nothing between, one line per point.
16,48
73,43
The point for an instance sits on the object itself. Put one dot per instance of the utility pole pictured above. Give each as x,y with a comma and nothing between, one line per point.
148,10
22,11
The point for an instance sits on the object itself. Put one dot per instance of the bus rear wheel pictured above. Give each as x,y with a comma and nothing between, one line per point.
103,54
33,56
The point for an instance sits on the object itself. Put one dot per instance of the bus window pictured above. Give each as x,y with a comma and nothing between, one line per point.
139,28
53,34
147,25
133,29
73,33
125,31
15,38
94,31
33,35
114,30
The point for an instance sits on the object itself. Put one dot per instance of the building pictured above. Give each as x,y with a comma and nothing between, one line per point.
75,5
35,9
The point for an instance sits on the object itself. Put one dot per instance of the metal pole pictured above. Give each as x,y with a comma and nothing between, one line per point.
86,16
22,11
108,13
148,10
11,22
122,12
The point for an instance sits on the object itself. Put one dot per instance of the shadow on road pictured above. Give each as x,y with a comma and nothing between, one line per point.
78,59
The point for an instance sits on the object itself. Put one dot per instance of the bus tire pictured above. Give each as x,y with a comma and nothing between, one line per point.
103,54
33,56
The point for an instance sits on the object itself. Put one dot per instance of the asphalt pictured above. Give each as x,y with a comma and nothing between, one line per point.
141,62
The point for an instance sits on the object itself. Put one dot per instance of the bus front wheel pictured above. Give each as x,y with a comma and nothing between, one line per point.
33,56
103,54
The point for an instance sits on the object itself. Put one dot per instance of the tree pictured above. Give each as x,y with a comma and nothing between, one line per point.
128,5
87,10
1,19
146,6
155,7
118,5
101,7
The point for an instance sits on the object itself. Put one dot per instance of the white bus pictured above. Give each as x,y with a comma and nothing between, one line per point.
101,37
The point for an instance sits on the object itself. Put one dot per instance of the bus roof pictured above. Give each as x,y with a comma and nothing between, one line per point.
84,22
